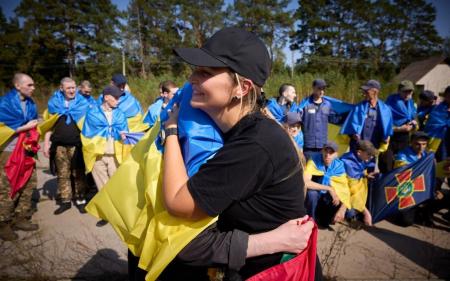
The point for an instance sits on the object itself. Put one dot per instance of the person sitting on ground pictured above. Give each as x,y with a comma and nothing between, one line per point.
328,194
293,128
168,90
356,164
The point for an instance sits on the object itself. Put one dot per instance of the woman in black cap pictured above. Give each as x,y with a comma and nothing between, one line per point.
254,183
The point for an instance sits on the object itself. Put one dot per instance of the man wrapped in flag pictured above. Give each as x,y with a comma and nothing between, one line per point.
437,128
427,102
18,121
403,188
357,163
369,120
85,90
284,103
63,121
327,186
168,90
129,105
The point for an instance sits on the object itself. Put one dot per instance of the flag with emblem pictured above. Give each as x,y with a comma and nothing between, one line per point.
402,188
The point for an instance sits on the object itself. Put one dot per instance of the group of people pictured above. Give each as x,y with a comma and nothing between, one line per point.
278,163
84,138
382,135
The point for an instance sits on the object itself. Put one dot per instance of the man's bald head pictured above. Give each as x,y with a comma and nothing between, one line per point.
24,84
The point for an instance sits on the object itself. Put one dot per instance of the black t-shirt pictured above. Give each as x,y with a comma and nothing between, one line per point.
65,134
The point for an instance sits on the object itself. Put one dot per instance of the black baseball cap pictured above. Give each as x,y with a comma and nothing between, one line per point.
371,84
119,79
292,118
235,48
420,135
112,91
427,95
319,83
332,145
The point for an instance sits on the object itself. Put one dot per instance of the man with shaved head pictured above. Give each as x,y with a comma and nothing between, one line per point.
18,116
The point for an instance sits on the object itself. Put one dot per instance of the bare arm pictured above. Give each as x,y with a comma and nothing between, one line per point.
30,125
47,144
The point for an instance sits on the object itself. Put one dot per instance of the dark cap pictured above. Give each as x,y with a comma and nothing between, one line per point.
406,85
419,135
371,84
232,47
446,92
319,83
366,146
427,95
332,145
292,118
119,79
112,91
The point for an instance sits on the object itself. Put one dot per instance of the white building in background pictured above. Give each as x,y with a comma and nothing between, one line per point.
431,74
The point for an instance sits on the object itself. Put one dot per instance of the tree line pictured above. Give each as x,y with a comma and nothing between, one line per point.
92,39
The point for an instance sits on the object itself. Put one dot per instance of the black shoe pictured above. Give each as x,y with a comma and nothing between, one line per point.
101,223
81,208
62,208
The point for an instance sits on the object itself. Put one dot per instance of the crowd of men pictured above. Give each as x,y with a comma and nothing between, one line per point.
89,138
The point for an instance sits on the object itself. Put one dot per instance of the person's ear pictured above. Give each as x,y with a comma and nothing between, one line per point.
246,87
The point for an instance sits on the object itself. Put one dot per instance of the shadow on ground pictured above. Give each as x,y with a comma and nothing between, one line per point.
105,265
426,255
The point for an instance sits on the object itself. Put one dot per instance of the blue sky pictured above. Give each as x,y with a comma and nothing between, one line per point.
442,21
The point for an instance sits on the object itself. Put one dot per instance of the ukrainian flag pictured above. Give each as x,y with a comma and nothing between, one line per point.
333,176
12,115
154,110
437,126
56,108
131,107
132,199
96,132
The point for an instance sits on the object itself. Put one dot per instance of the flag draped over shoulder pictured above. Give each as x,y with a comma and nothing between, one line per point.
154,110
402,188
12,116
90,99
333,176
96,131
300,268
76,111
132,200
354,123
131,107
20,164
278,111
401,112
437,125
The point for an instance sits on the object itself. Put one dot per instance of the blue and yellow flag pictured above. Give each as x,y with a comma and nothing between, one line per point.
132,200
402,188
74,110
153,112
12,116
90,99
131,107
437,125
406,156
401,112
354,123
278,111
96,132
333,176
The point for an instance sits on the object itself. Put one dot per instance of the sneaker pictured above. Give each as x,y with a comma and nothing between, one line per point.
81,208
101,223
25,225
62,208
7,233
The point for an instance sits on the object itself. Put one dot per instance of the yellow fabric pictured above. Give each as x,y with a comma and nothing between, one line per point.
341,140
131,201
433,144
48,123
440,169
383,146
5,133
358,193
399,163
338,183
136,124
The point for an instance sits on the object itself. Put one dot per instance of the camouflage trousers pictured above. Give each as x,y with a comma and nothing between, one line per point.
20,205
66,174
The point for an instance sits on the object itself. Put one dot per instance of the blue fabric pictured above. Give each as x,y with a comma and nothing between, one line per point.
311,202
354,124
11,113
355,167
336,168
198,135
408,155
76,110
422,171
90,99
133,138
299,140
402,112
129,105
438,121
314,118
372,122
279,111
96,124
154,110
